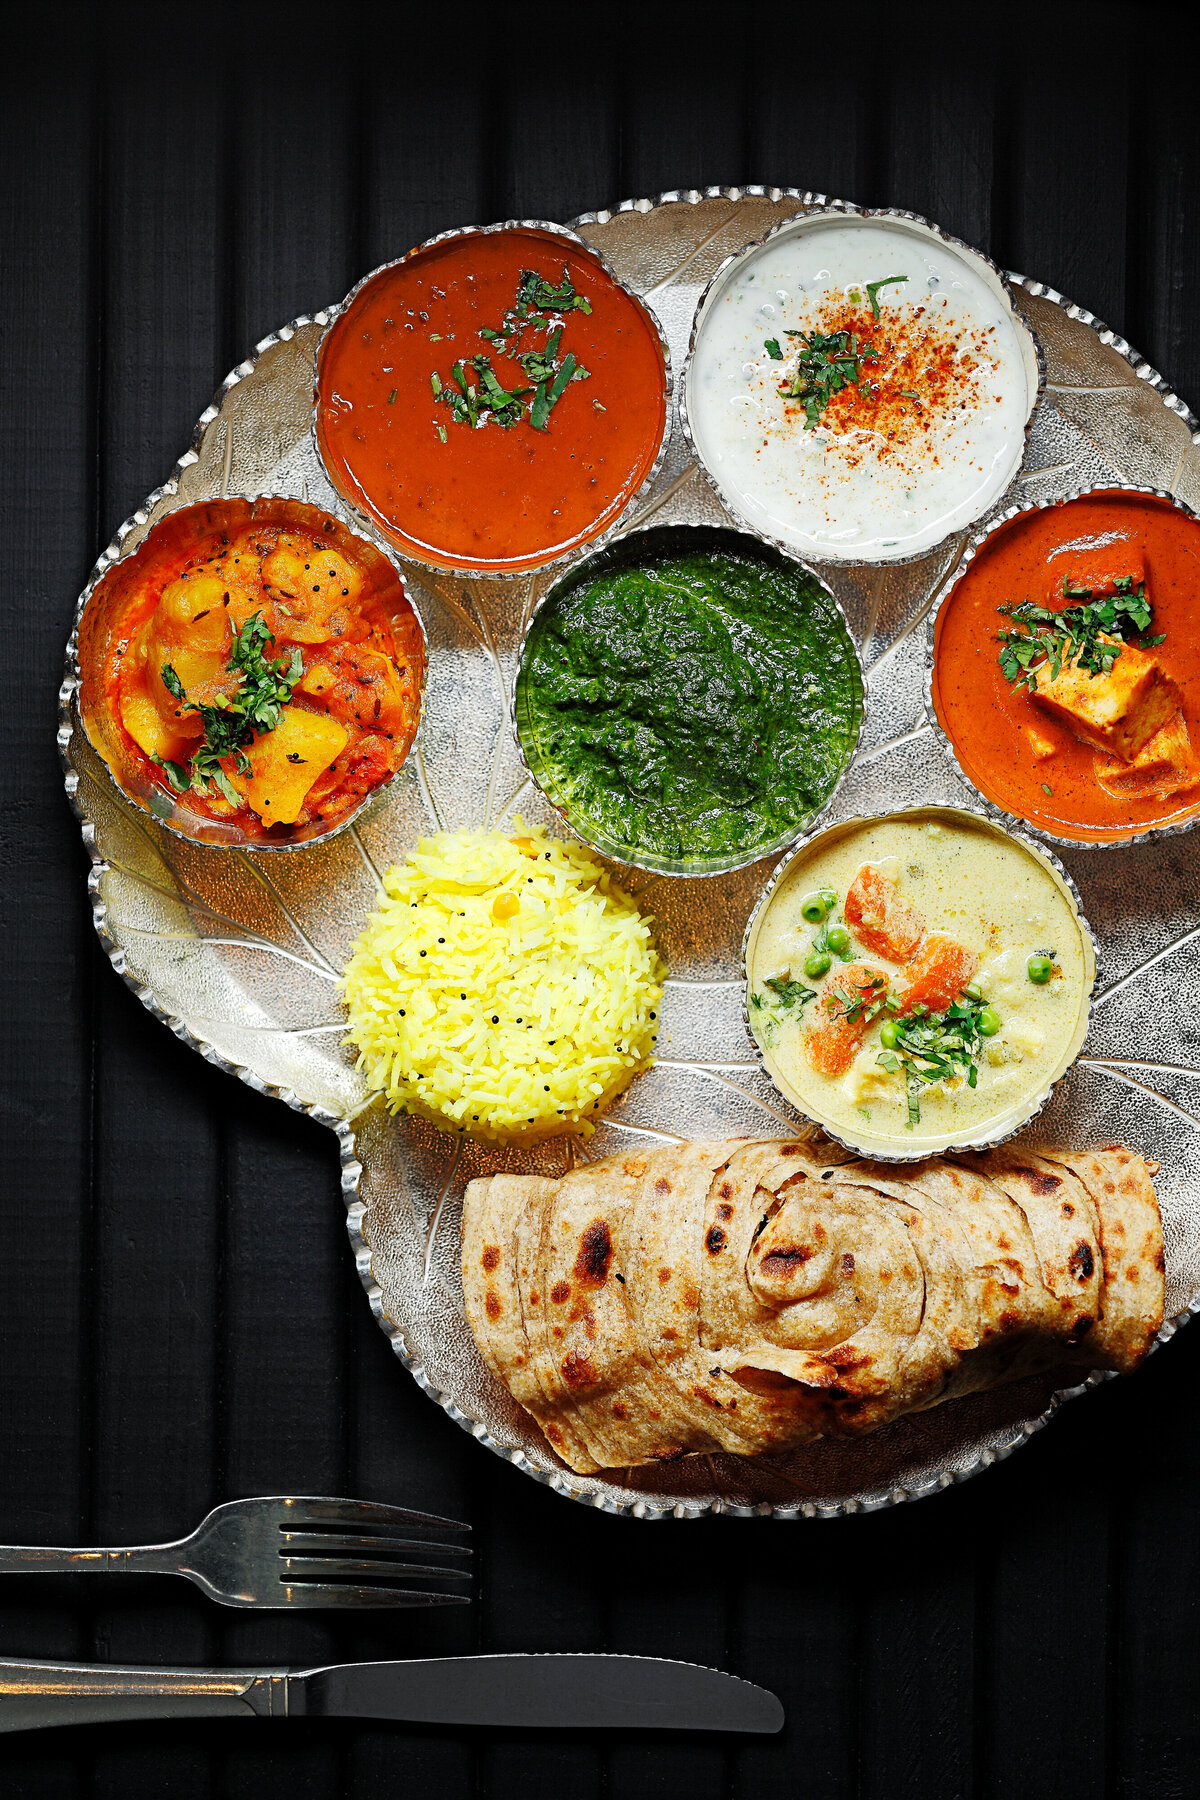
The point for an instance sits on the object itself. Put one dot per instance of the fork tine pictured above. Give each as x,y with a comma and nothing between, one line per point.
333,1540
304,1593
301,1567
310,1509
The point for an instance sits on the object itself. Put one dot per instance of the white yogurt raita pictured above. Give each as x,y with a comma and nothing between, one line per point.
924,437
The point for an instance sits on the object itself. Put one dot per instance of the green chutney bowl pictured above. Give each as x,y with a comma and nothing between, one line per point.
537,736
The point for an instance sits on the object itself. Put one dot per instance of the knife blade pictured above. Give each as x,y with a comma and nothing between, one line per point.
564,1692
581,1691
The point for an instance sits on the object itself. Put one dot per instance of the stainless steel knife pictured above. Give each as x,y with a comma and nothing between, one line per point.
557,1692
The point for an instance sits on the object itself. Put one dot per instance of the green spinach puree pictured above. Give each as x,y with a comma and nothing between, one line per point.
698,705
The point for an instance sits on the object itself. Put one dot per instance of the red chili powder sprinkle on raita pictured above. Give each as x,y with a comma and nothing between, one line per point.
912,372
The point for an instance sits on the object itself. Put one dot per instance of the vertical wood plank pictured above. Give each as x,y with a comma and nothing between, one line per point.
47,375
940,131
1048,1556
916,1678
1163,260
1064,209
1150,1468
151,1373
794,1632
688,131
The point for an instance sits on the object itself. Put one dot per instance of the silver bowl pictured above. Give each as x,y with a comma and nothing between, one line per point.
108,587
1013,821
1014,1119
636,546
529,565
843,212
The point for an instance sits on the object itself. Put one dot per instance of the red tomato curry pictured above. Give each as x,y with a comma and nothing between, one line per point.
1071,757
492,400
253,672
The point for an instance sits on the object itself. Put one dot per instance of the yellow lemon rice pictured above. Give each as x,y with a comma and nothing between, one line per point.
505,987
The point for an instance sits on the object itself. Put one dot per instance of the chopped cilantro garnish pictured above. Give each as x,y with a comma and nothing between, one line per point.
788,994
873,288
538,307
255,706
827,363
771,346
863,1001
1091,635
929,1047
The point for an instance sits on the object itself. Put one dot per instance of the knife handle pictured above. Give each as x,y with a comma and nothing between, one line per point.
47,1693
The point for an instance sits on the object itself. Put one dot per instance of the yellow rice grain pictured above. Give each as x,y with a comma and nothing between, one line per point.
521,1019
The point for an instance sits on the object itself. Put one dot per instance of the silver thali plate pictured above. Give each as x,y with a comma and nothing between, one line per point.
240,955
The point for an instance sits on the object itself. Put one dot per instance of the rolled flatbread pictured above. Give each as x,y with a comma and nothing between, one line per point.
752,1296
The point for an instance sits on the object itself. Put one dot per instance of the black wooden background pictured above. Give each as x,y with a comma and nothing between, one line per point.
180,1317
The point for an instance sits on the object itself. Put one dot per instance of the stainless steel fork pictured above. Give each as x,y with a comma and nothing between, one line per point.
291,1551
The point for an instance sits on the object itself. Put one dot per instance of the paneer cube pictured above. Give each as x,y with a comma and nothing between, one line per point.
287,761
1041,744
1116,713
1166,764
1097,571
867,1081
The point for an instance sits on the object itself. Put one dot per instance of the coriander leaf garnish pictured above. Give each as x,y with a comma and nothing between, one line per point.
1090,635
788,995
931,1047
862,1002
771,346
828,362
791,993
176,774
538,307
873,288
255,706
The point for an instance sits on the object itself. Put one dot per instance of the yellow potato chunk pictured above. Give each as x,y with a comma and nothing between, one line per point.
1165,765
150,731
189,630
285,763
311,590
1116,713
192,610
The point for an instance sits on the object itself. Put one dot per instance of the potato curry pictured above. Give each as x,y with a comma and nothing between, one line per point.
267,675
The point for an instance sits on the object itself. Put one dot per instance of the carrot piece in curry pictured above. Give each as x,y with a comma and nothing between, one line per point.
843,1016
937,974
878,917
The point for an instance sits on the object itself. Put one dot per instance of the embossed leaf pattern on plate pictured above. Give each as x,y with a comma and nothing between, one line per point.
239,955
